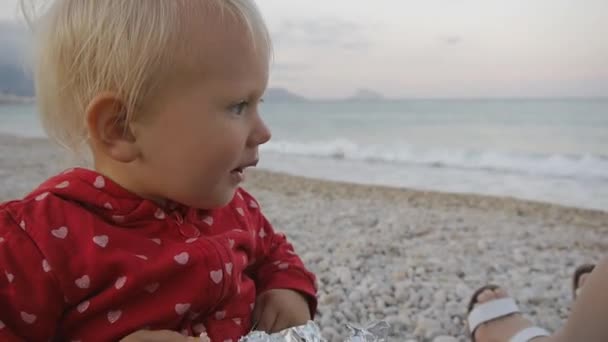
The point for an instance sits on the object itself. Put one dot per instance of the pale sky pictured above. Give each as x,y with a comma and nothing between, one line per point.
436,48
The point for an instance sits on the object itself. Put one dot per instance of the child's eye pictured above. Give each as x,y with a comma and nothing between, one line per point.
239,108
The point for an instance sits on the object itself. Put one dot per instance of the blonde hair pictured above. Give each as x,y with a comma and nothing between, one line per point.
129,47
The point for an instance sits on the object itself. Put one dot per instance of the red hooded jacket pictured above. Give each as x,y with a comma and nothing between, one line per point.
83,259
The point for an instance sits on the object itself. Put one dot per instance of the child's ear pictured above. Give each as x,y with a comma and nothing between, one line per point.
109,130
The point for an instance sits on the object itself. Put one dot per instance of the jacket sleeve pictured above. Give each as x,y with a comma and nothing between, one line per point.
30,300
278,266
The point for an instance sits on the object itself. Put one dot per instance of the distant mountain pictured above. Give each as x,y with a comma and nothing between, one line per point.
14,80
366,95
282,95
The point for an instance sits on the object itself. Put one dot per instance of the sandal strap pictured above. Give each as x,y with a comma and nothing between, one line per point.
527,334
490,311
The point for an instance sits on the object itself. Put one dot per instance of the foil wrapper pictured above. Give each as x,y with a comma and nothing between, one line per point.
377,332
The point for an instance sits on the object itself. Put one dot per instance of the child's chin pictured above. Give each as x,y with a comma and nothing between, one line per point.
221,200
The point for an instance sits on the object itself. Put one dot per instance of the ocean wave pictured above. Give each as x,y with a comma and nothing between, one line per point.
583,166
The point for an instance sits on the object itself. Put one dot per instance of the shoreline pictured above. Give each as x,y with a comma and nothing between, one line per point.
410,195
265,179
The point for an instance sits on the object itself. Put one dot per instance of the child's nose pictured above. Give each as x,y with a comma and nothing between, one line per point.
261,133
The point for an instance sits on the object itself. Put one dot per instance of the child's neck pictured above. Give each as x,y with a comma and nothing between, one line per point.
125,175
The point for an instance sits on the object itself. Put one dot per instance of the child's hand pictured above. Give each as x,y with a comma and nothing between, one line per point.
277,310
160,336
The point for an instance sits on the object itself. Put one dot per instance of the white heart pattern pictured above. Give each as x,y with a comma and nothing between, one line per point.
152,287
199,328
253,205
160,214
63,185
219,315
82,307
182,258
194,315
283,266
100,182
191,240
118,218
42,196
2,325
157,241
9,276
22,225
208,220
240,211
101,240
28,318
108,206
1,240
229,268
114,316
120,282
60,233
142,257
45,266
231,243
263,233
237,321
83,282
181,309
217,276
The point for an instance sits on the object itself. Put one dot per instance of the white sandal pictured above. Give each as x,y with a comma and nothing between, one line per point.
496,309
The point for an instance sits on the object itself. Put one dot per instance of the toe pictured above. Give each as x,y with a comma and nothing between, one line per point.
485,296
582,279
500,293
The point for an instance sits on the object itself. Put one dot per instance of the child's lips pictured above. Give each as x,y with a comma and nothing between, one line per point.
238,174
241,168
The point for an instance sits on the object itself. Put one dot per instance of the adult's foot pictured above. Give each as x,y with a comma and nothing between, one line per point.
580,276
501,329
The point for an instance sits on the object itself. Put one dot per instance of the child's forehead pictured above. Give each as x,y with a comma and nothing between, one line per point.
222,45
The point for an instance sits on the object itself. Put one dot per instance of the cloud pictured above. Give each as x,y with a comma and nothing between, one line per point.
325,33
287,72
289,67
450,39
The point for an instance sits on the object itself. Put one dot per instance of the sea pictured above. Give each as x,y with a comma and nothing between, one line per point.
548,150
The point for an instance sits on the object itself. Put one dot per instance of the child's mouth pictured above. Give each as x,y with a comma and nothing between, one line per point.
238,173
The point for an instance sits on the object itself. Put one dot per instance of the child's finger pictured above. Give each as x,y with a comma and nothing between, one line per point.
280,324
255,316
156,336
